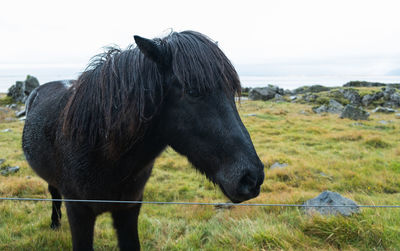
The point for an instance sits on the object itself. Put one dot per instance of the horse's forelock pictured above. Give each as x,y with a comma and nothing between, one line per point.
199,63
117,95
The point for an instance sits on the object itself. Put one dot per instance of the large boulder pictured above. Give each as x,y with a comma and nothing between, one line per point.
363,84
387,92
20,91
309,97
265,93
332,107
395,98
354,112
331,203
352,96
369,98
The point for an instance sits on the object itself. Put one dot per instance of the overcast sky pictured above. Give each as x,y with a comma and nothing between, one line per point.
353,36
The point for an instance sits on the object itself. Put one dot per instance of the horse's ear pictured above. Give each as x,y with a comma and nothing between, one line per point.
151,49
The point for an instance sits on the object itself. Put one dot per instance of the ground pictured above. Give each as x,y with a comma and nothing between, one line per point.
358,159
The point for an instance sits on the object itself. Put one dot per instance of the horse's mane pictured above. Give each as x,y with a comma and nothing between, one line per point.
115,98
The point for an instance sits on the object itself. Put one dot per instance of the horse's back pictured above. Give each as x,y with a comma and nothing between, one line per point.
43,108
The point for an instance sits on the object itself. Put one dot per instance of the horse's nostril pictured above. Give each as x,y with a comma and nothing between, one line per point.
249,182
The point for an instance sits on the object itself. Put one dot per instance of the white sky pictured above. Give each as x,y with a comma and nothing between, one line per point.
359,34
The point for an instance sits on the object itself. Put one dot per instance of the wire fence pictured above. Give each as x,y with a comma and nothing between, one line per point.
193,203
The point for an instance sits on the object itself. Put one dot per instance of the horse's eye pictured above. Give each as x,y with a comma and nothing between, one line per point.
193,93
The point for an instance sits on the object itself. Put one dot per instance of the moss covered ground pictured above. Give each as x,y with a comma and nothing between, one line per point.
358,159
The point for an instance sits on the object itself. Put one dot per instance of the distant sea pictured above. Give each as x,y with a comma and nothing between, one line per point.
46,73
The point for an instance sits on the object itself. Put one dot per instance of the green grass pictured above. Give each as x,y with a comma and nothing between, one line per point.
359,160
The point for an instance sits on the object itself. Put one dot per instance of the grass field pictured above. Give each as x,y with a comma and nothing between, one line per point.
360,160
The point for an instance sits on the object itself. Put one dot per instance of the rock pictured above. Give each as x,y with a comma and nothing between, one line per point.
9,169
20,113
278,165
335,107
383,110
251,115
6,130
369,98
12,106
279,98
387,92
363,84
332,107
309,97
2,161
30,84
397,115
355,113
21,90
395,98
326,204
310,89
22,118
303,112
320,109
351,95
264,93
287,92
293,98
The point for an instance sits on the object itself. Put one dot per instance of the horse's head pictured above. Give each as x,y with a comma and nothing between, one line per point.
199,118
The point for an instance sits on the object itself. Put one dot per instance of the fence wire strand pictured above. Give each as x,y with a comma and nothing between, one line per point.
192,203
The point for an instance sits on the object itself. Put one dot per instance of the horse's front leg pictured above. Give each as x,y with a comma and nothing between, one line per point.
81,221
126,224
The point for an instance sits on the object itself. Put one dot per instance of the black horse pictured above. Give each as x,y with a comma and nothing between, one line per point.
97,137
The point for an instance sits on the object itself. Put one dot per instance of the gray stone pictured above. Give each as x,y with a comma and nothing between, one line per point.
335,107
387,92
309,97
262,93
20,113
12,106
30,84
355,113
326,204
351,95
9,170
278,165
279,98
6,130
397,115
251,115
287,92
292,98
395,98
22,118
383,110
320,109
332,107
369,98
363,84
21,90
2,161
